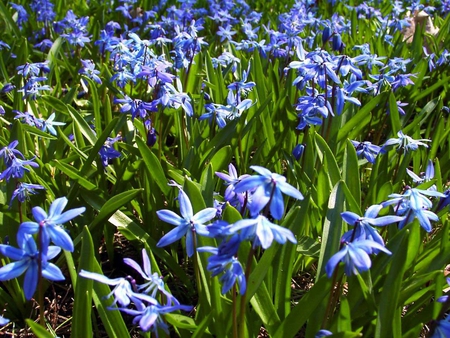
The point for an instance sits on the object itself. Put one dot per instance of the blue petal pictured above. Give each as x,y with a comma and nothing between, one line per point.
334,261
57,207
11,252
67,216
261,170
135,266
204,215
172,236
99,278
249,183
373,211
13,270
52,272
277,204
264,233
170,217
39,214
60,237
185,205
30,281
350,217
288,189
259,200
53,251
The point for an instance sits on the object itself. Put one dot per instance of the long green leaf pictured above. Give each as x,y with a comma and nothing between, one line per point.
83,291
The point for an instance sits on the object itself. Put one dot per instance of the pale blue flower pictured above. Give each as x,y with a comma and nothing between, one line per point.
189,224
355,256
268,188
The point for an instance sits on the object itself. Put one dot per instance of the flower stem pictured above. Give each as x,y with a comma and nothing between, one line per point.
248,268
235,324
40,288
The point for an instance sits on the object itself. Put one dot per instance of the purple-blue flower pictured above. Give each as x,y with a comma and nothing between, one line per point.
27,261
269,188
355,256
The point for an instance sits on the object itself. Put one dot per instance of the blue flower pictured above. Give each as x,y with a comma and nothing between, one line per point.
88,69
107,151
363,225
413,204
149,316
224,260
122,291
262,232
23,191
406,142
189,224
17,169
442,329
355,256
367,149
154,282
27,261
49,124
50,224
231,179
269,187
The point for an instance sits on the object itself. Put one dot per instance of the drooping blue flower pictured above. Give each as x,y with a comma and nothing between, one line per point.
153,282
367,149
427,176
123,291
88,69
355,256
23,191
363,228
406,142
149,317
189,224
17,169
224,261
27,261
262,232
414,203
107,151
231,179
50,224
269,188
10,152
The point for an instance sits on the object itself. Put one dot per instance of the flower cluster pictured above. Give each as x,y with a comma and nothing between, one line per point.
253,193
141,301
33,259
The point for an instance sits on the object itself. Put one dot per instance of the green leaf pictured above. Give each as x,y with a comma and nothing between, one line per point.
82,125
389,309
114,204
83,291
38,330
304,309
328,160
394,114
332,227
350,172
153,166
